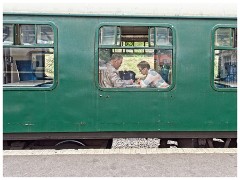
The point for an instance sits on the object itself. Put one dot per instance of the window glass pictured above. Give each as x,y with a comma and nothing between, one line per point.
28,67
27,34
163,59
8,34
164,36
134,64
118,36
152,36
25,66
225,69
223,37
108,35
45,34
225,58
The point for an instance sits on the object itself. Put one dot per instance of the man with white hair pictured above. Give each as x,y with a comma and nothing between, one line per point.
111,78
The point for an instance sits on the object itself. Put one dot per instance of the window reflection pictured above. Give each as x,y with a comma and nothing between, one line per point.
119,66
8,34
225,68
45,34
223,37
31,67
27,34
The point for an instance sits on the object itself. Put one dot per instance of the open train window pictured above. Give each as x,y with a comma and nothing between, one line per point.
147,57
225,58
29,56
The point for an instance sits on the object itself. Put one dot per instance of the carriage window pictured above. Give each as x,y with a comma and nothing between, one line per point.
8,34
135,57
225,58
160,36
45,34
27,34
109,35
25,66
223,37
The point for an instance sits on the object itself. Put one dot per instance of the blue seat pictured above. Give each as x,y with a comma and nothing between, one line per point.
25,70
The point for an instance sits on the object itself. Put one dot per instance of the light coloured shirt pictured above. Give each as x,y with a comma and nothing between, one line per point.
111,78
153,79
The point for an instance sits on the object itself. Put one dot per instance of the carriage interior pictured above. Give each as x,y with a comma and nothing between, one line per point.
27,65
137,43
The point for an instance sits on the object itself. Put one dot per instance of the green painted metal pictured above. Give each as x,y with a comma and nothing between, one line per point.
77,104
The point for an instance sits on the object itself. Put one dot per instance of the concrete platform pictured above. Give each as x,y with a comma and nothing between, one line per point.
171,162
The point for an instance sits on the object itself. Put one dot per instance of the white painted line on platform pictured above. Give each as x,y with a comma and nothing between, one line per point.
120,151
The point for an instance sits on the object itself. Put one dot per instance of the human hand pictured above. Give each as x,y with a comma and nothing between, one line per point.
138,81
131,81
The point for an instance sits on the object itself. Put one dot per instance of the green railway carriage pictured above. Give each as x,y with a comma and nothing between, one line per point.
53,64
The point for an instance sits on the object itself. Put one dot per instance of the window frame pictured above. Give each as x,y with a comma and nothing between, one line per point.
36,45
173,48
213,48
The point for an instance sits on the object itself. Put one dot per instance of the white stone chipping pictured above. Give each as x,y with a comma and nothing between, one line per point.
119,143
